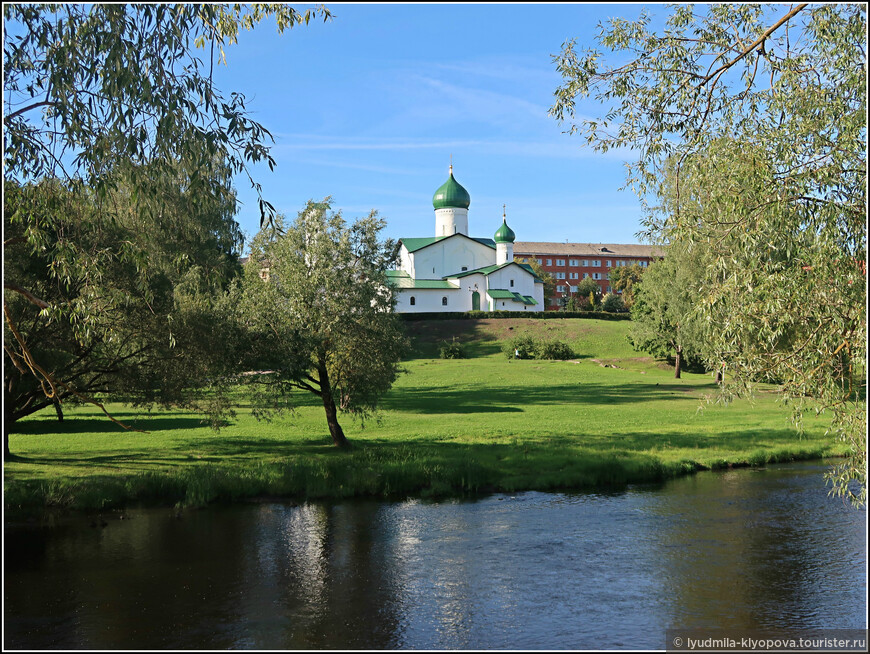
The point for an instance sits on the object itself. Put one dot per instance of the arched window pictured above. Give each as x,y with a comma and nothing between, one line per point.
413,301
444,301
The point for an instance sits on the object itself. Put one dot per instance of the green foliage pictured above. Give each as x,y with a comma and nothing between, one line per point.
127,306
121,82
521,347
526,346
554,350
322,320
663,322
613,303
750,126
451,350
589,288
121,151
626,279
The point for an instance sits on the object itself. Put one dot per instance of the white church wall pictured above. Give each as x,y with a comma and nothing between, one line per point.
468,285
430,299
523,283
449,257
407,261
539,297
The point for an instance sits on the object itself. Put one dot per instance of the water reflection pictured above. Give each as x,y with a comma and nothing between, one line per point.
747,549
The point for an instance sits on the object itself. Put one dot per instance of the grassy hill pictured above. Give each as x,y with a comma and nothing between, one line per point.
486,423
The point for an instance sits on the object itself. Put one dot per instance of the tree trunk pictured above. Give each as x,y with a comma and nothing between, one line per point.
58,410
8,420
678,362
335,430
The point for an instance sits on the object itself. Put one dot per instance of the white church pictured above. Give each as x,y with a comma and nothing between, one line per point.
453,271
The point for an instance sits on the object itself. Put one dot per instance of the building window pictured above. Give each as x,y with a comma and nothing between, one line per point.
560,262
585,262
609,263
549,262
512,283
607,276
444,301
560,275
413,301
574,262
596,275
596,263
464,268
585,275
560,289
573,275
573,289
609,289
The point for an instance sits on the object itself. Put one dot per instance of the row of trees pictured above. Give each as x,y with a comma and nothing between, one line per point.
121,250
749,123
180,322
588,295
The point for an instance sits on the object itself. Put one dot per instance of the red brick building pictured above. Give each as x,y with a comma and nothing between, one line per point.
568,263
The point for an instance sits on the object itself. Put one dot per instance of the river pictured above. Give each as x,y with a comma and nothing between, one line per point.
742,549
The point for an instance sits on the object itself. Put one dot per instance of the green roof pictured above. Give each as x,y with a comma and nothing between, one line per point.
500,294
488,270
503,294
414,244
401,279
451,194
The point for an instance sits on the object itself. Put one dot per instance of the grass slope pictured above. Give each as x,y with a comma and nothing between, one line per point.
448,426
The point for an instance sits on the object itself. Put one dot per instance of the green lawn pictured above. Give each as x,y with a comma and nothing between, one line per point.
448,426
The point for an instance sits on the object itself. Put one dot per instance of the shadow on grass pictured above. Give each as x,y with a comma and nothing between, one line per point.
74,425
499,399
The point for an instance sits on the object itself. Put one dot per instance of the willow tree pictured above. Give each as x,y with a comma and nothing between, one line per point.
786,299
91,90
137,286
317,311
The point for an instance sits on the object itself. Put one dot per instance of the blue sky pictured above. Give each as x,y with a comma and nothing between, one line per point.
369,107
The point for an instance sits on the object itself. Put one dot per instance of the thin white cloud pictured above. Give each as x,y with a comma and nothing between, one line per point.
561,148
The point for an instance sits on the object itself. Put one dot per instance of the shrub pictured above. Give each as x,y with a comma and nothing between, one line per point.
558,350
613,303
451,350
520,347
528,347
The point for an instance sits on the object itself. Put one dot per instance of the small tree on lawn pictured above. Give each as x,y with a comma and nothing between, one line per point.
589,290
627,279
322,319
612,303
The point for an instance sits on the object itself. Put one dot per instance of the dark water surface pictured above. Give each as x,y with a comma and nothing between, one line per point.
748,549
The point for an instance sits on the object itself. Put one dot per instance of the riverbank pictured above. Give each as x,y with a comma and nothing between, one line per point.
448,427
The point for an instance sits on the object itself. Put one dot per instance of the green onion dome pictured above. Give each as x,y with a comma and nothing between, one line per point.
504,234
451,194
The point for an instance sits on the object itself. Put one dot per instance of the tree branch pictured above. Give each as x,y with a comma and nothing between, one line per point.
42,304
761,39
23,110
